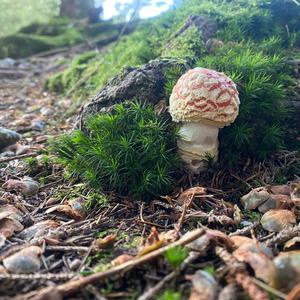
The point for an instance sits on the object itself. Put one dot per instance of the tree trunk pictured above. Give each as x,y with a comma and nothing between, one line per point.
76,9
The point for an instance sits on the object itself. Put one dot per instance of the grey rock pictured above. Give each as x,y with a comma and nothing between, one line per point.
144,84
8,137
7,62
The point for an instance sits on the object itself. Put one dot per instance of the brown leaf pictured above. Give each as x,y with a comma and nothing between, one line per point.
292,244
188,195
74,209
27,186
252,245
259,262
294,294
28,260
106,242
121,259
276,220
280,189
276,201
239,240
219,238
204,286
39,230
10,222
153,242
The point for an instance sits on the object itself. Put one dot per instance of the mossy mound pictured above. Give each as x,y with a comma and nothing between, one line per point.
235,20
23,45
55,26
38,37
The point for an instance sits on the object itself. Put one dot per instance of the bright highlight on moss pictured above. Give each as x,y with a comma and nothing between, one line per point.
131,151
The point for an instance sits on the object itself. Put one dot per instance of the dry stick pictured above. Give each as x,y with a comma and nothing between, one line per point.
47,276
3,160
149,294
73,286
269,289
153,291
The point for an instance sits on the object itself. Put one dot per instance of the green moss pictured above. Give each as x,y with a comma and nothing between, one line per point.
131,152
22,45
187,45
262,81
53,27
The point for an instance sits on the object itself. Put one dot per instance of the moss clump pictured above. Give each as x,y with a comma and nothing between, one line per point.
53,27
61,81
22,45
262,81
131,152
187,45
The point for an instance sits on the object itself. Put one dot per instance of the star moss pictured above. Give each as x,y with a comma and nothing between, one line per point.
131,151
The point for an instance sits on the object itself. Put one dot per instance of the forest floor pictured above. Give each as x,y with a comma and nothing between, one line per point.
52,240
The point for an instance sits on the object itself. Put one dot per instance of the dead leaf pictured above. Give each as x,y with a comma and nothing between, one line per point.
10,222
259,262
188,195
106,242
252,245
219,238
26,186
153,242
280,189
276,220
26,261
39,230
294,294
74,209
292,244
122,259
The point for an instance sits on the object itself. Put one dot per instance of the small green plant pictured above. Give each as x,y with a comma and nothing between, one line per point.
131,151
170,295
175,256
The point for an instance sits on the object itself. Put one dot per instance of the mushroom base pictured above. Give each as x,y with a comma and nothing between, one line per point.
197,141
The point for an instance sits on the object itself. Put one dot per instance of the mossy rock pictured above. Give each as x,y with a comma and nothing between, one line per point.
145,84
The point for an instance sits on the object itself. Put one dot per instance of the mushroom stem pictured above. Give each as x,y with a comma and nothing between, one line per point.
197,141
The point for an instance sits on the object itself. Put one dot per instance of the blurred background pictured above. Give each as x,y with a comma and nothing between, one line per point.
19,13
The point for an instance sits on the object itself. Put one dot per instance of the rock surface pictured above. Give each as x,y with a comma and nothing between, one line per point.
8,137
144,84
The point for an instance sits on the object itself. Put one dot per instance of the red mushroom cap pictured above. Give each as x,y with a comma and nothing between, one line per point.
203,95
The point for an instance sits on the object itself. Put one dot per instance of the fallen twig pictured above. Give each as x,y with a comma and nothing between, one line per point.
7,159
47,276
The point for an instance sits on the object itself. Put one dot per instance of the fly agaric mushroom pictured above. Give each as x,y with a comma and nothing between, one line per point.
203,100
